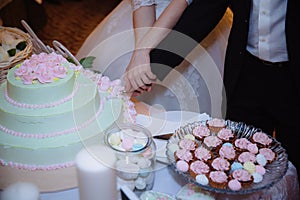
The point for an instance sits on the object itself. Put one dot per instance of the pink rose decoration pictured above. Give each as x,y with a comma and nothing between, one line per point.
43,74
23,70
104,83
59,71
43,67
28,78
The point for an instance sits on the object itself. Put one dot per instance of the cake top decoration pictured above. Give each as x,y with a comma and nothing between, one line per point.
43,68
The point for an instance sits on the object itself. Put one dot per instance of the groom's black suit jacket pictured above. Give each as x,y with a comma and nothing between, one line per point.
201,17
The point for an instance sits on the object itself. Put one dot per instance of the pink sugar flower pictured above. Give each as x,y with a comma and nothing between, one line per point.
44,75
23,70
59,71
104,83
28,78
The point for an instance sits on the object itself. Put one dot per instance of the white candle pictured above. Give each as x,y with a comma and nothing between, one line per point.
20,191
96,174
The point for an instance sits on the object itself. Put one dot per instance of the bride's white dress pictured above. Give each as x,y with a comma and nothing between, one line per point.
195,87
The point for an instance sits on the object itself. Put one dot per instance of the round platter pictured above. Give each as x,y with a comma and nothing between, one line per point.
274,171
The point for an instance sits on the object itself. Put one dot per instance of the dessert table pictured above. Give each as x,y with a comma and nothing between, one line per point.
168,182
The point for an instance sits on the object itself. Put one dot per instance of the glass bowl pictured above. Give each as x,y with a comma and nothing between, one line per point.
274,171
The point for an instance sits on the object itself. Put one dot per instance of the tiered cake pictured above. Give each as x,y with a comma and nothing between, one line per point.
49,110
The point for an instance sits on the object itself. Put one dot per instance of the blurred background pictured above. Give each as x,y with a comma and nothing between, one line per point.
67,21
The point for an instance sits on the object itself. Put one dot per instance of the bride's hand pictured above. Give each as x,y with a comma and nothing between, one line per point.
139,77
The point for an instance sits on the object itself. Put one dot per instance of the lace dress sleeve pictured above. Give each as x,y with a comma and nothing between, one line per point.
139,3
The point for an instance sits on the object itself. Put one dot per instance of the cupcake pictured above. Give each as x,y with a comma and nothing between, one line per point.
226,135
220,164
268,153
227,152
200,132
243,176
218,179
247,157
261,139
198,167
203,154
187,144
183,154
215,124
212,142
241,144
252,148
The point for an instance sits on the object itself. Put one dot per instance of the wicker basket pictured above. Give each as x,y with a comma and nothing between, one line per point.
19,56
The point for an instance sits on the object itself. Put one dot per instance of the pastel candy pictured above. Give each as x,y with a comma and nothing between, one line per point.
202,179
257,177
261,159
182,166
137,147
127,143
250,167
236,165
114,139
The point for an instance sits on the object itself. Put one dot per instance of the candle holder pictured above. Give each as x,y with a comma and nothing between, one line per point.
135,153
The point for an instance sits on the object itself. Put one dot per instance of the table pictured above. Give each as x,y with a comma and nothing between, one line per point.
169,182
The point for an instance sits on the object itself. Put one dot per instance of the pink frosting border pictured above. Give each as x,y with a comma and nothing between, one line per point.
37,167
48,105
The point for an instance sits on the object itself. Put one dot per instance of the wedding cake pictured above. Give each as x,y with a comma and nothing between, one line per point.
51,108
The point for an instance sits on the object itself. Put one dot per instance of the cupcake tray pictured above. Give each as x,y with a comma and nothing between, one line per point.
274,171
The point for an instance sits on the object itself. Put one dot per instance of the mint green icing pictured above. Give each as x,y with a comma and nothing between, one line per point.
51,150
38,93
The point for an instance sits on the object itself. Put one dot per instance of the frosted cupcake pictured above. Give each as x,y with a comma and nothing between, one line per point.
183,154
226,135
220,164
241,144
198,167
262,139
212,142
227,152
218,179
247,157
203,154
269,154
200,132
187,144
243,176
252,148
215,124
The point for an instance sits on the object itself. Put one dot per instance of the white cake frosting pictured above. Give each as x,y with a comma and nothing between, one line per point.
44,123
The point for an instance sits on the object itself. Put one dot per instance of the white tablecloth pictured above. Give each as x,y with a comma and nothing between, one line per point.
167,181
